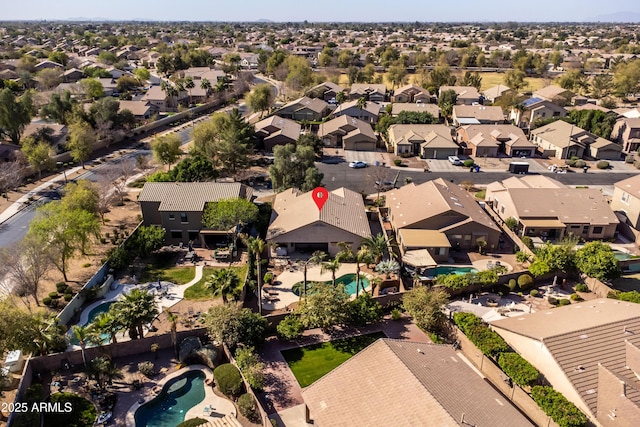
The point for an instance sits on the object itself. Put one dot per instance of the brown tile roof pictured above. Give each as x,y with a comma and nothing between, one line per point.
314,104
563,134
581,336
630,185
344,125
365,88
293,210
286,127
412,203
371,107
437,136
191,196
402,383
463,92
138,108
509,134
432,109
479,112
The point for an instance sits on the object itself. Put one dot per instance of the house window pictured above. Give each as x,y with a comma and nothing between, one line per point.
625,198
597,230
502,209
183,218
442,251
585,229
172,216
176,234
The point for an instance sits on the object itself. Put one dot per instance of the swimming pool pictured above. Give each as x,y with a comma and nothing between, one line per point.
95,311
348,280
621,256
169,408
447,269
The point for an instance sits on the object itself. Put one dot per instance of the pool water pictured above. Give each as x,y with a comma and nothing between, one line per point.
621,256
348,280
448,269
169,408
95,311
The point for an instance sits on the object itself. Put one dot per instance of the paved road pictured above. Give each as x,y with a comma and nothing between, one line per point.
340,175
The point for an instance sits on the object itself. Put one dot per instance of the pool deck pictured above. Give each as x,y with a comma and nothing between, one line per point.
219,406
285,281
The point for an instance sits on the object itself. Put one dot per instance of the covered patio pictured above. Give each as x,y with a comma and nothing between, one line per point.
550,228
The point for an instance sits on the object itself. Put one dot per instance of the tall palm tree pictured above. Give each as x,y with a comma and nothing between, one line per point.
205,85
377,246
362,103
104,371
256,246
363,256
189,84
173,322
223,282
108,323
135,309
86,335
332,266
346,253
316,258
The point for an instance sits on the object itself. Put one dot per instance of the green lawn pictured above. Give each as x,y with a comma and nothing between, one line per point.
310,363
162,267
198,292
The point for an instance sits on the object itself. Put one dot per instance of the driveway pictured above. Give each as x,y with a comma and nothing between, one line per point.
371,157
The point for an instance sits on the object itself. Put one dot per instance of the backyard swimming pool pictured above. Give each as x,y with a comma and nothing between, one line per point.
447,269
169,408
348,280
95,311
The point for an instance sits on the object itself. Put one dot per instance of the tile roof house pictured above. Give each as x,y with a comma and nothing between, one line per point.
304,108
326,91
178,206
489,140
432,109
426,141
589,351
276,130
371,92
437,386
411,93
477,114
625,201
555,94
494,93
298,225
141,109
533,110
369,113
348,132
157,98
443,208
544,207
467,95
564,140
627,133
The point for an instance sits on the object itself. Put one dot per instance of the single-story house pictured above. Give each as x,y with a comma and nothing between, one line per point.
369,113
467,95
304,108
411,94
589,351
297,225
555,94
437,388
426,141
494,93
489,140
277,130
446,210
477,115
348,132
553,211
178,206
370,92
398,107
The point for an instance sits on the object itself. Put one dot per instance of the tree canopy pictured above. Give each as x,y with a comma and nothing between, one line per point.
229,213
596,259
425,306
294,167
166,149
15,114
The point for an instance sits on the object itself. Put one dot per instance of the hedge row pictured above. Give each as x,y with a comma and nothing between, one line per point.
554,404
488,341
518,369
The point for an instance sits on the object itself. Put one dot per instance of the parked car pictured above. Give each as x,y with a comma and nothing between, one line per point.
385,185
358,164
455,160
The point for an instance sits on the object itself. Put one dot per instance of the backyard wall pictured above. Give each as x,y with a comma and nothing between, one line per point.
75,305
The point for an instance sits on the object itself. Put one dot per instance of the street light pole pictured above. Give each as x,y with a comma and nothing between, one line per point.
64,171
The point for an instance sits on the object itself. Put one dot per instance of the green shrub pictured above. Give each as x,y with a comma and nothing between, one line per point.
365,310
86,265
118,257
576,297
564,301
68,297
513,285
534,293
522,257
554,404
83,413
468,163
631,296
247,406
518,369
193,422
396,314
581,287
268,277
397,162
527,242
629,159
228,380
602,164
579,164
487,341
47,301
53,295
146,368
552,300
61,287
290,328
251,367
525,281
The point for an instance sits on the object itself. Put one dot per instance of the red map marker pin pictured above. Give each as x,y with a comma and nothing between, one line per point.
320,195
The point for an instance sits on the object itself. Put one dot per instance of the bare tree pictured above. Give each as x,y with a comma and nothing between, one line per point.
105,195
26,266
11,175
380,177
118,175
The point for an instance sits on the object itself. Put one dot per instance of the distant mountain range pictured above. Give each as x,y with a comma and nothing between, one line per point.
632,17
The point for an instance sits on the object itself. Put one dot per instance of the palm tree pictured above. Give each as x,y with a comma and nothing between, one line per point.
223,282
135,309
189,84
316,258
362,103
363,256
108,323
346,254
377,246
86,335
332,266
256,246
375,282
205,85
104,371
173,322
388,267
341,97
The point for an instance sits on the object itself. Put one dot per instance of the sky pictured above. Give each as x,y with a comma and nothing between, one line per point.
319,11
